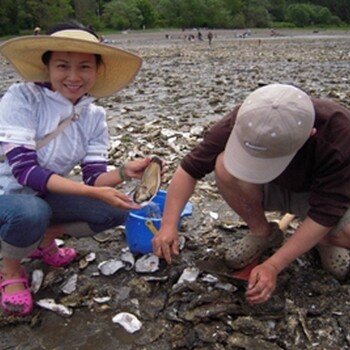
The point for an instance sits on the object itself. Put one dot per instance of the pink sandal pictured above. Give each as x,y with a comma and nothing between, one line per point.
54,256
18,303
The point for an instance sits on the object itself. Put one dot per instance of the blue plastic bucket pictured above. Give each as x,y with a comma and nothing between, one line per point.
138,234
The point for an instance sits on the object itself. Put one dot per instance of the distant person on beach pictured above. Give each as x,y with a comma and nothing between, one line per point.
191,37
37,31
280,150
49,124
210,37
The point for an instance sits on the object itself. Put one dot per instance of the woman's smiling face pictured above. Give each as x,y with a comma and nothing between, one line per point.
73,74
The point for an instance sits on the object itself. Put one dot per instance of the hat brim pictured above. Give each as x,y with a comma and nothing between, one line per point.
239,163
118,69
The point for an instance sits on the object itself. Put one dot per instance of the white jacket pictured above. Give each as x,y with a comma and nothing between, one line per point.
29,111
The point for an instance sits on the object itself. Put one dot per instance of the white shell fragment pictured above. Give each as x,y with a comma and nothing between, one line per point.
101,300
214,215
148,263
155,278
59,242
190,274
128,258
90,257
70,285
167,132
59,309
226,286
182,242
197,130
87,259
210,279
116,144
37,280
128,321
110,267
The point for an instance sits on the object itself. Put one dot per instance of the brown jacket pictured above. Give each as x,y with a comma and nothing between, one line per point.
321,166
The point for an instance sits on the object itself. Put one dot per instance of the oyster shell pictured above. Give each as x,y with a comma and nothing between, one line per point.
149,185
189,274
37,280
70,285
110,267
129,321
59,309
147,263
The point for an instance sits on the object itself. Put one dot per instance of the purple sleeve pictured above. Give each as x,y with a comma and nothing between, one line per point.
25,168
92,170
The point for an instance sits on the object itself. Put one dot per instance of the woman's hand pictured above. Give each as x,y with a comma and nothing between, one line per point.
113,197
135,168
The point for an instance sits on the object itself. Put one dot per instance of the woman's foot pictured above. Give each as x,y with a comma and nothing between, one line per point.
55,256
16,297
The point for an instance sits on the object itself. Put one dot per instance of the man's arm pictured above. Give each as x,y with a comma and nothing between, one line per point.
262,280
166,242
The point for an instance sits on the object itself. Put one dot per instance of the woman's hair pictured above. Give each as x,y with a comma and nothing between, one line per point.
45,58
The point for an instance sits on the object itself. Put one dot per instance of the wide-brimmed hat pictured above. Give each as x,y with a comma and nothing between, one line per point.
119,67
272,124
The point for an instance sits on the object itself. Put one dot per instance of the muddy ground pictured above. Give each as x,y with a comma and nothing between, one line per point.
181,90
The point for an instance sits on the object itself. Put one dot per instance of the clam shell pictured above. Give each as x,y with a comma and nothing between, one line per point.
149,185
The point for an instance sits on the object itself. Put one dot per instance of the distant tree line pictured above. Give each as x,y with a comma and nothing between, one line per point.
18,16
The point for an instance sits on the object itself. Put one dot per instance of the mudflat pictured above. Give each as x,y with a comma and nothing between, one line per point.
184,86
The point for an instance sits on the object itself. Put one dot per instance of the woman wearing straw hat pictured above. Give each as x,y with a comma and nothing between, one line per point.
48,125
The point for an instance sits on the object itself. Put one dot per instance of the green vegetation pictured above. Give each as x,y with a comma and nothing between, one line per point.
21,16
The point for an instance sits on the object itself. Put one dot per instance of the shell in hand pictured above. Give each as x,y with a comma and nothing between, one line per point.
150,182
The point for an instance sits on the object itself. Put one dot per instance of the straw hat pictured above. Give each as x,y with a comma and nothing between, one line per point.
119,67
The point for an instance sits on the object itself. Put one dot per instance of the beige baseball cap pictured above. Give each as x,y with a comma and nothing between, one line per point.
272,124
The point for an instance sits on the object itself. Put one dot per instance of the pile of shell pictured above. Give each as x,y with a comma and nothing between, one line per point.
182,89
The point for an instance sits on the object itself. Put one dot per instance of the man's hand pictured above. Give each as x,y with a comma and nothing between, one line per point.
262,283
166,243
